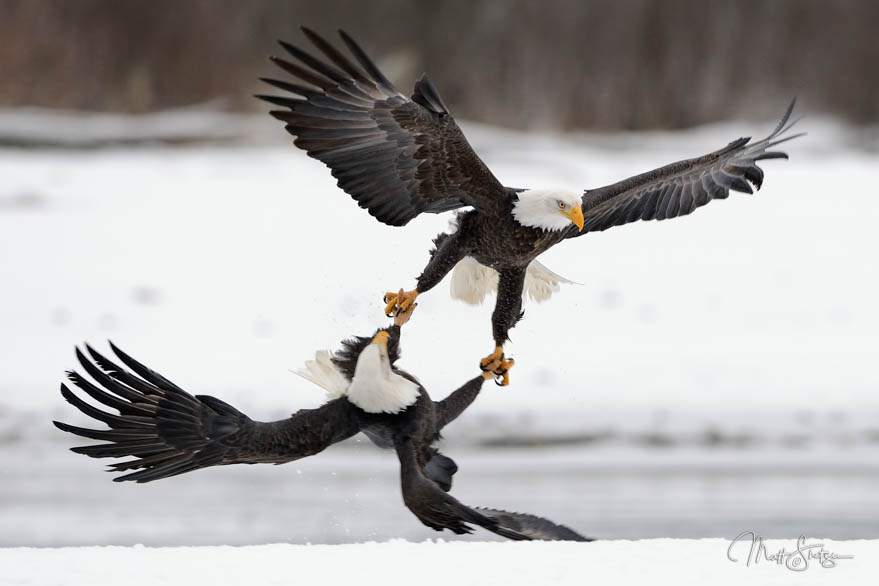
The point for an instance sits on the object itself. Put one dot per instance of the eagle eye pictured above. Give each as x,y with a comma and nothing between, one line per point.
562,204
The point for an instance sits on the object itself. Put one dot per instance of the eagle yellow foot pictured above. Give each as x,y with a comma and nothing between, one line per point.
497,365
398,302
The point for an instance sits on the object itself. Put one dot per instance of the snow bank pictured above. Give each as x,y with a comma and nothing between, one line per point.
41,127
661,561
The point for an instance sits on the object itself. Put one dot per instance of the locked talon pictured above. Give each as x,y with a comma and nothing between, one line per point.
390,300
403,317
502,371
406,299
398,302
488,370
390,306
497,355
504,366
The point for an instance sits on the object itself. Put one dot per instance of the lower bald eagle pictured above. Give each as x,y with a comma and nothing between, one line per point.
168,431
399,157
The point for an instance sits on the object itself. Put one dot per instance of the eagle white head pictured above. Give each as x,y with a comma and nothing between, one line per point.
376,388
549,209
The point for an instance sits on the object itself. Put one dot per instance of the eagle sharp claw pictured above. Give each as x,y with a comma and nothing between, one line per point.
502,372
497,365
399,301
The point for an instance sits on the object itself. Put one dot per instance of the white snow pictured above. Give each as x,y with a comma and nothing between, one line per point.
226,267
750,325
661,561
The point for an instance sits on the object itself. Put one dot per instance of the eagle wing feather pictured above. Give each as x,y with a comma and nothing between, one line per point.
397,157
679,188
169,431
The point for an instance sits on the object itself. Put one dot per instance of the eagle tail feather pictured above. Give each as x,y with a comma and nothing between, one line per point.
541,282
322,372
471,282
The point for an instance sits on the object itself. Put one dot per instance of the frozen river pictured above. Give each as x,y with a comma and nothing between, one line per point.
51,497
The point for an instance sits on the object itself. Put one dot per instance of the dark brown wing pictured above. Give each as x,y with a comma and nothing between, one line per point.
169,432
452,406
531,526
395,156
428,501
434,507
678,189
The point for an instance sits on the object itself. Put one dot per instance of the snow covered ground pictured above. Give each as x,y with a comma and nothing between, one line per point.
747,332
662,561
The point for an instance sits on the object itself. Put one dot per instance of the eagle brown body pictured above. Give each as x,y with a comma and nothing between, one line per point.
499,243
399,157
167,431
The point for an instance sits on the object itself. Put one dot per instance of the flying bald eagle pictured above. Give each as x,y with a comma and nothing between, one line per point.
399,157
170,432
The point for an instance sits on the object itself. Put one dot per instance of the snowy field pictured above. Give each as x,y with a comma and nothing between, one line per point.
710,374
625,563
224,267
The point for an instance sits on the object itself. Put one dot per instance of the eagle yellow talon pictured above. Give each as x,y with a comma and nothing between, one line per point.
488,369
496,356
502,372
496,366
399,301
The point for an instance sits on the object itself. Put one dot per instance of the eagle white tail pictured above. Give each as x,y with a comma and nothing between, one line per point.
322,372
541,283
472,281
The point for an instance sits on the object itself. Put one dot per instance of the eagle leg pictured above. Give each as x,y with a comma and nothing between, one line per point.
495,356
498,366
398,302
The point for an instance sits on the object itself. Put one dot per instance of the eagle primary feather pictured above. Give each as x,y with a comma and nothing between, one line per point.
166,431
400,157
678,189
397,157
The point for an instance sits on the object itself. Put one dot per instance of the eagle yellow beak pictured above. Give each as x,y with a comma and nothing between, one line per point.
381,339
576,217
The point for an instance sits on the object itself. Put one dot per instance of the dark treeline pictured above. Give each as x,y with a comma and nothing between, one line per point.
524,63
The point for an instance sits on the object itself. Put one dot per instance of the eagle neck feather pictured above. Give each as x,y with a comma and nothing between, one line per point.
376,388
537,208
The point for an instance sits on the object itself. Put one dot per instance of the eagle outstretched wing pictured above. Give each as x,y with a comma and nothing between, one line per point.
437,509
528,526
170,432
397,157
678,189
433,505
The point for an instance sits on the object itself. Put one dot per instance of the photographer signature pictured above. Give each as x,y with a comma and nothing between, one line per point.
796,560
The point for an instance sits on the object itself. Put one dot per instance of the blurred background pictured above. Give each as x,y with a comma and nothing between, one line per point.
564,65
705,377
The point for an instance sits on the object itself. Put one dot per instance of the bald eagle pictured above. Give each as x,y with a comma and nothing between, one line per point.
168,431
399,157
